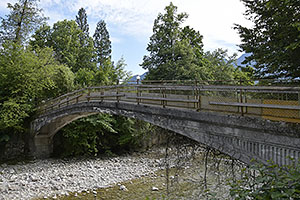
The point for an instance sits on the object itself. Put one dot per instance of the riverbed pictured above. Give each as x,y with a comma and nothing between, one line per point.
131,176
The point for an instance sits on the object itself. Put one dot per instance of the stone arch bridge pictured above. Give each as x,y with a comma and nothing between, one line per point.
245,122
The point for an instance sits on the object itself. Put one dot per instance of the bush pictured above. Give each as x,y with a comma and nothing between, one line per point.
102,133
268,182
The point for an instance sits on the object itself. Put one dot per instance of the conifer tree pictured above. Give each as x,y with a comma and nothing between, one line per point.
24,18
86,54
81,20
102,43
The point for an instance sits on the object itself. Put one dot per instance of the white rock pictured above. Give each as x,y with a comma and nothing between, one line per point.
154,188
33,178
123,187
13,178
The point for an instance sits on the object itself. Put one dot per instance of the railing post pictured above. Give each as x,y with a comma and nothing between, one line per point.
241,98
117,91
89,94
199,99
164,96
245,100
299,102
137,89
196,106
102,94
137,93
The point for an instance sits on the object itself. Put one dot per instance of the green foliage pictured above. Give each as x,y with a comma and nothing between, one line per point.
55,60
268,182
81,20
220,65
65,42
110,73
41,37
24,18
72,46
274,40
118,72
84,77
27,77
130,132
245,74
86,54
175,52
102,43
63,79
102,133
82,136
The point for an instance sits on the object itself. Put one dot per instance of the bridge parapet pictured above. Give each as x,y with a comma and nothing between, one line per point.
278,103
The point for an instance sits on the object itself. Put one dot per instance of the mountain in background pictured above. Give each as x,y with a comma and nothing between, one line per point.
241,59
142,77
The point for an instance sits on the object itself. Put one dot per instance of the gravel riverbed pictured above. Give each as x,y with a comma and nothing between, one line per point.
50,177
134,176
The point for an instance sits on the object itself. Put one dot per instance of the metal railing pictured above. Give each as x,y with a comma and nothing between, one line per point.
269,101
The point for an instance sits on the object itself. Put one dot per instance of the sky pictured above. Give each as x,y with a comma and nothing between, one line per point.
130,22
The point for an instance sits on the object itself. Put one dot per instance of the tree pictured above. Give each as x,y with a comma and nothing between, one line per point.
175,52
81,20
274,40
41,37
110,73
65,42
26,78
102,43
86,55
118,72
84,77
220,65
65,39
24,18
71,45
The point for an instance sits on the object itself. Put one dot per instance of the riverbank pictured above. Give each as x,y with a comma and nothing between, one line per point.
142,175
49,178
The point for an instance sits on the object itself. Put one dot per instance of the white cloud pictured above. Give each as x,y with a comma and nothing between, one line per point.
132,17
213,18
115,40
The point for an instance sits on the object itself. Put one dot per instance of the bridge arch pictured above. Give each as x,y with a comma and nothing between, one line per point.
243,138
